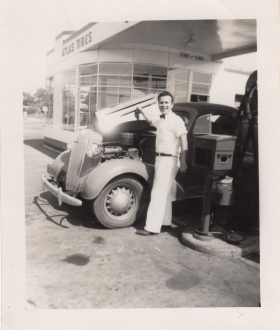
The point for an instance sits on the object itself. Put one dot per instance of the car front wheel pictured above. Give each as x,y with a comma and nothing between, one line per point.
120,203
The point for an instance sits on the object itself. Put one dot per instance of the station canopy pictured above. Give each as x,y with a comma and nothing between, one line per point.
216,38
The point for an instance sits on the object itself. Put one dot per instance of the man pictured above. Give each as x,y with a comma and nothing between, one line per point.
170,136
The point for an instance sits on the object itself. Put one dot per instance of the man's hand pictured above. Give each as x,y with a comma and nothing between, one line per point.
183,167
183,158
137,112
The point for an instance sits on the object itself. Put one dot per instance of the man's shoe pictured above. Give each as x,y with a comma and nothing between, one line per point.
144,232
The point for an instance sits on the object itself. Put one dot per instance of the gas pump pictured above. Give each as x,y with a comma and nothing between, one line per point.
248,110
213,157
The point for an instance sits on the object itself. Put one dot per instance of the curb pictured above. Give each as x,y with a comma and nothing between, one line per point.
219,247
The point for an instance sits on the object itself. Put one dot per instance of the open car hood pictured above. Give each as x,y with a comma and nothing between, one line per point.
123,116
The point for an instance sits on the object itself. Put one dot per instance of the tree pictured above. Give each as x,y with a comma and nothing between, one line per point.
41,97
38,100
28,99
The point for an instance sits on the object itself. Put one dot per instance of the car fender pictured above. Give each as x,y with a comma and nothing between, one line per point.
105,172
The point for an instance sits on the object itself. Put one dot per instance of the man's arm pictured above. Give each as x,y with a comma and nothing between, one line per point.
184,151
146,116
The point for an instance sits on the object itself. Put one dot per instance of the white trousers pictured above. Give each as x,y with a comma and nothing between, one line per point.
160,208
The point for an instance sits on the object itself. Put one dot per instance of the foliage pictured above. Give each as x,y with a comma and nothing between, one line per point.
37,100
28,99
31,109
41,97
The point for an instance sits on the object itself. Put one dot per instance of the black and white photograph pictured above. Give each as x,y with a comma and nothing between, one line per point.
141,172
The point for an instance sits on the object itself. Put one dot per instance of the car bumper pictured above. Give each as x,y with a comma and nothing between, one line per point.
61,196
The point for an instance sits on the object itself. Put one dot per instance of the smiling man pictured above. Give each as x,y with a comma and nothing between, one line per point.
170,137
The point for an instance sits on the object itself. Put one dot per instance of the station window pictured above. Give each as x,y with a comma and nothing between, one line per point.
68,99
49,101
148,79
200,87
108,84
114,84
199,98
87,95
179,79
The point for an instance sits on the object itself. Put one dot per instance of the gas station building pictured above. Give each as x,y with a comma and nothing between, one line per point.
105,64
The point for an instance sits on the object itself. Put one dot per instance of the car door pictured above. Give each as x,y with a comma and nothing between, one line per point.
190,178
204,123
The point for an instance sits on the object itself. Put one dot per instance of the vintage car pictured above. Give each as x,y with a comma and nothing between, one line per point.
115,169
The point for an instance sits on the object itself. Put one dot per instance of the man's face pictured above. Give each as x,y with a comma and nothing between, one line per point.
165,104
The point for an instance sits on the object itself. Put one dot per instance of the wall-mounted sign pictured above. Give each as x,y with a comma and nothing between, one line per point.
84,40
191,57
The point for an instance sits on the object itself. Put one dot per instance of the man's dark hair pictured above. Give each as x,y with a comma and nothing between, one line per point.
165,93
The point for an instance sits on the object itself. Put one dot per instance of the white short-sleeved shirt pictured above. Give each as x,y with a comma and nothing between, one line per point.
168,133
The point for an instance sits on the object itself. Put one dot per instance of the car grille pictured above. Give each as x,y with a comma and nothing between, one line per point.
76,161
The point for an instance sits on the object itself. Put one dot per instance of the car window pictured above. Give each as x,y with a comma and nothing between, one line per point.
214,124
185,116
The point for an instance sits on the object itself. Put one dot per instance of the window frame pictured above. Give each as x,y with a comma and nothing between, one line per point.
71,91
214,113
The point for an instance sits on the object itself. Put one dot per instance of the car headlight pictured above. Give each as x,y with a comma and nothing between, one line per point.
94,150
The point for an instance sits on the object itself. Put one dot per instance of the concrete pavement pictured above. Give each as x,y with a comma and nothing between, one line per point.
74,262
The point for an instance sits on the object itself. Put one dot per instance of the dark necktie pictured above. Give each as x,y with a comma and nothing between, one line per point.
162,116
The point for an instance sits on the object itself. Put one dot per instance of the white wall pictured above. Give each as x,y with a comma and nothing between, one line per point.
225,85
57,101
59,135
71,62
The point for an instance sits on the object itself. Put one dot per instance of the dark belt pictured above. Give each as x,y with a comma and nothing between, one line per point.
162,154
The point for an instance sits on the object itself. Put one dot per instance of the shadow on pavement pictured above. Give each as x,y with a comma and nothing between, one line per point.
255,257
38,144
76,216
41,202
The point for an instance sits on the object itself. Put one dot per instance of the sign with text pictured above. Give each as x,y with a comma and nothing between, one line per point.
192,57
76,44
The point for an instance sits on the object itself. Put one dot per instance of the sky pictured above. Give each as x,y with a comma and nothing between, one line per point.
38,23
34,26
